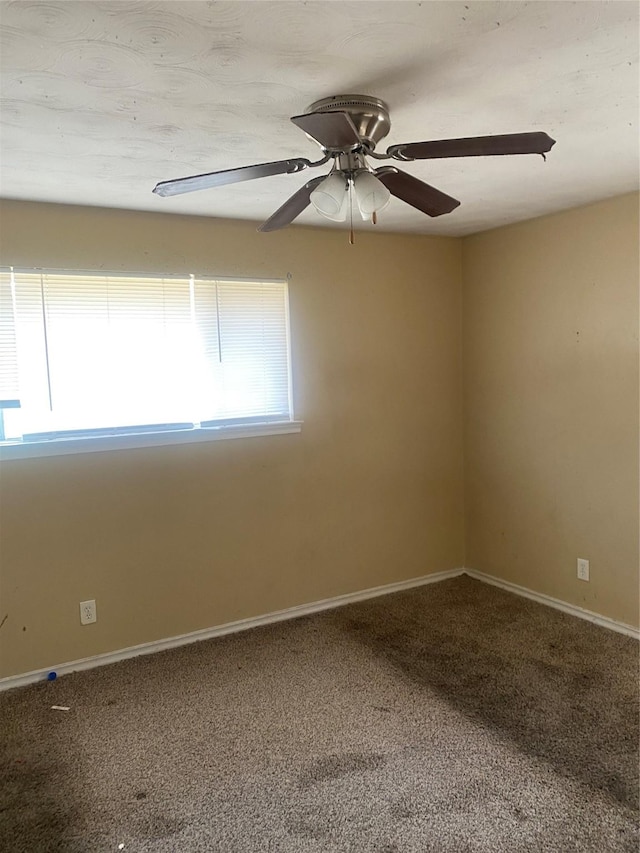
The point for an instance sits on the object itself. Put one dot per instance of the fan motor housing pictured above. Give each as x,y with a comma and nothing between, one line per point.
369,115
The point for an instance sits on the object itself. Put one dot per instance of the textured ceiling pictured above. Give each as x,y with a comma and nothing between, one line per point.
103,99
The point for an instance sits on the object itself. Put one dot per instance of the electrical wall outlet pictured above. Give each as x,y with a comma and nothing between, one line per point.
88,612
583,569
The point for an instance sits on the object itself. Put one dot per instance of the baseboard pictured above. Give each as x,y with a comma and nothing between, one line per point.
572,609
305,610
220,630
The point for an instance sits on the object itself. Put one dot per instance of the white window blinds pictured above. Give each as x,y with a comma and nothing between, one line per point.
9,393
119,352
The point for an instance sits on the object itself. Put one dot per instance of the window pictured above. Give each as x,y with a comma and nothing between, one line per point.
88,355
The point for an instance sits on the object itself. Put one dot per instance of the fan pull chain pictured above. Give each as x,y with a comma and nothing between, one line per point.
374,218
351,237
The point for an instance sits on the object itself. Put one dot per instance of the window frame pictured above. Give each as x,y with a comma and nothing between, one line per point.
129,441
156,435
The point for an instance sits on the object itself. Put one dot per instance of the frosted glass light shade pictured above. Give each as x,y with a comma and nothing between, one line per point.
371,194
331,197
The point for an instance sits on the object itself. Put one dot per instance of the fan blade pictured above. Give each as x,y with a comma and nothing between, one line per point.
474,146
229,176
331,130
416,193
292,207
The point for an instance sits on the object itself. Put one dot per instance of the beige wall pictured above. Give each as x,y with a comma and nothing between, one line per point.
551,404
169,540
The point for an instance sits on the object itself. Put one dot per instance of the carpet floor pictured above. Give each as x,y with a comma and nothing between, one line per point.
455,717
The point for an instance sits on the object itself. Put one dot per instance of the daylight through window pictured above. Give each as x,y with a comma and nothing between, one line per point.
87,354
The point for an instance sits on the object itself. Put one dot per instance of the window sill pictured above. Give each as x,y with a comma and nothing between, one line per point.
67,446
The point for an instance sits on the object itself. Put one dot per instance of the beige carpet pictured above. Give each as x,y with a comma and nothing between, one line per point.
454,718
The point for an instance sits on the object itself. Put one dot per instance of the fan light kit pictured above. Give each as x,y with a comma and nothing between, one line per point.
347,128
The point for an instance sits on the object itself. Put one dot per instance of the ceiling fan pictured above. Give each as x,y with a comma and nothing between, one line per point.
347,128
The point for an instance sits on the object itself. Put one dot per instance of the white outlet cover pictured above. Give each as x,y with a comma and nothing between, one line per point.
583,569
88,612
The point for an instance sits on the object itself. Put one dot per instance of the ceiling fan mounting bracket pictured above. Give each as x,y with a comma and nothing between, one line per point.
370,115
396,151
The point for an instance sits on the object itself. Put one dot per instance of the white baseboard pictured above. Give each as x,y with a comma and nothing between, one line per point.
305,610
572,609
218,631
